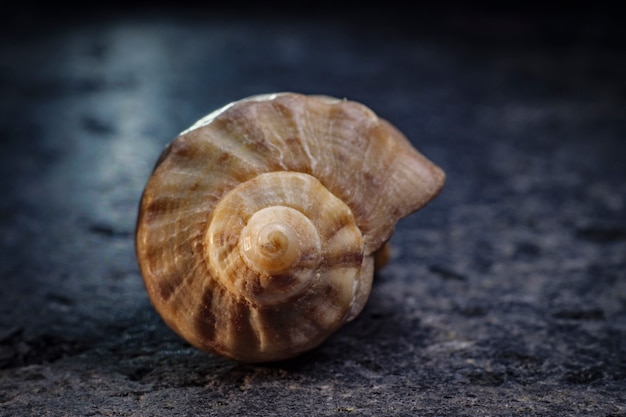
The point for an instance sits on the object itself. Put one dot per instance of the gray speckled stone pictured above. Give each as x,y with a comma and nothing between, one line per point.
505,296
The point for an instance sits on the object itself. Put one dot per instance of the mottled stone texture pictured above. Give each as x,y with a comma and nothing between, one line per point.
505,296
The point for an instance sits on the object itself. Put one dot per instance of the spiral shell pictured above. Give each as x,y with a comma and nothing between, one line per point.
258,228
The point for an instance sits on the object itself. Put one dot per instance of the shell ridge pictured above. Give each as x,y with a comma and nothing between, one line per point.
233,144
272,328
303,129
240,335
186,278
230,194
295,120
339,156
269,135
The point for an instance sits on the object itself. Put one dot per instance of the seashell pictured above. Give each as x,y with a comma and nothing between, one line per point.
258,229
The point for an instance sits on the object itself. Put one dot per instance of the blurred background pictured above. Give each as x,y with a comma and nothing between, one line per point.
506,293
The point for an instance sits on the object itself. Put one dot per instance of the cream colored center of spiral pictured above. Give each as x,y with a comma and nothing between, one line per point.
275,240
270,248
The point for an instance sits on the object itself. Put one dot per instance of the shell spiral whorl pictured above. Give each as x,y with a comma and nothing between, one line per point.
274,236
270,244
258,228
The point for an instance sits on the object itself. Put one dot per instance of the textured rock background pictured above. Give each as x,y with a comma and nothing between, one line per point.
505,296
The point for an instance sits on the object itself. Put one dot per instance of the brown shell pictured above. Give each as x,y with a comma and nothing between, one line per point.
329,177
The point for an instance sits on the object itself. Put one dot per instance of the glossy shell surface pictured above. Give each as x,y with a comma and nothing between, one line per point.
258,229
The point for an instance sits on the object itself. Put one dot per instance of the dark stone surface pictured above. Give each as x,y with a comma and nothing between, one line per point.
505,296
